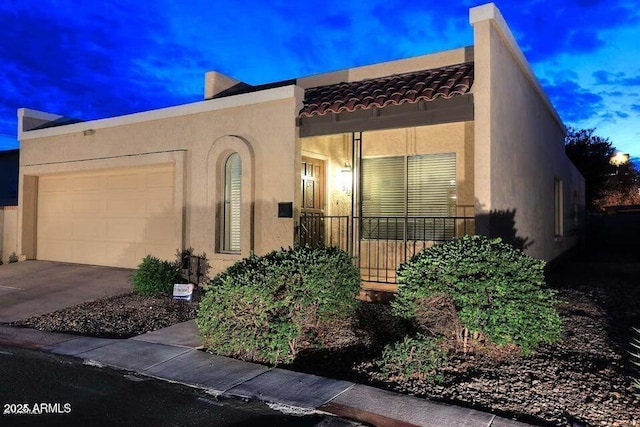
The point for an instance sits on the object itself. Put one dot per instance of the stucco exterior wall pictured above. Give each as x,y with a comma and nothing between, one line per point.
519,147
263,133
8,232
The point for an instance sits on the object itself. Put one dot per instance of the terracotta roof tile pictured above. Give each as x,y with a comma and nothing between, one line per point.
416,86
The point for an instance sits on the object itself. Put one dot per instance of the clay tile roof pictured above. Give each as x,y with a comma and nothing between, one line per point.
426,85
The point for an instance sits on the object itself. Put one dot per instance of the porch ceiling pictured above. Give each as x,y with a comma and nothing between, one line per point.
425,85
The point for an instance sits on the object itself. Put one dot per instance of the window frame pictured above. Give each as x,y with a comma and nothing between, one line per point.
558,208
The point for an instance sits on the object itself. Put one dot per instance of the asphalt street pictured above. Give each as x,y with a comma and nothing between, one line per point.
51,390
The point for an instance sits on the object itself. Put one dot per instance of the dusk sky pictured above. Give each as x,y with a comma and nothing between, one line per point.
97,59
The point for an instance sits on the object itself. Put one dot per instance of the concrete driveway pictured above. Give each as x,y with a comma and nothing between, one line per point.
31,288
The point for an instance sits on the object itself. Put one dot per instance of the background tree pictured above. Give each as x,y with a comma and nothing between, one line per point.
591,154
623,187
606,184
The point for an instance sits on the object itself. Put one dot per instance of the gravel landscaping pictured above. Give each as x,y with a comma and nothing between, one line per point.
584,380
121,316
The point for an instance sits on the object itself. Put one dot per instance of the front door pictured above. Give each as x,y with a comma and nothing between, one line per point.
313,195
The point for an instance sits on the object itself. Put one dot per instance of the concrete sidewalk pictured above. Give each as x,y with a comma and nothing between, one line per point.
172,354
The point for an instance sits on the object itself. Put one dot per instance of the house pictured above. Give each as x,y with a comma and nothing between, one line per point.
381,160
9,161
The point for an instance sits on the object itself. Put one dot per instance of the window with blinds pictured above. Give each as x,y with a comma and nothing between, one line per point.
558,208
409,197
232,203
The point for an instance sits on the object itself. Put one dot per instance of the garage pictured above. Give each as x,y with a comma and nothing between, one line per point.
111,217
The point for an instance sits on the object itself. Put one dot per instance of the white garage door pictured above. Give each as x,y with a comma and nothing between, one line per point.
108,217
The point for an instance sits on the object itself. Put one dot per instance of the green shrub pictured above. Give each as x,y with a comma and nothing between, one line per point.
13,258
497,290
417,357
263,307
155,276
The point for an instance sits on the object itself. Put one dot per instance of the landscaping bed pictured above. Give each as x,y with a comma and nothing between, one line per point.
121,316
584,379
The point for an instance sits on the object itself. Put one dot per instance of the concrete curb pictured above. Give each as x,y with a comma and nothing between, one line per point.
233,378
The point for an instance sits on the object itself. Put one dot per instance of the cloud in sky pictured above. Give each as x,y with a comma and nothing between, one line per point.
547,29
604,77
100,59
574,102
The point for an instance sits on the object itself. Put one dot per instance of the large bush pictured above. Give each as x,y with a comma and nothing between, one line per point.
263,307
155,276
497,290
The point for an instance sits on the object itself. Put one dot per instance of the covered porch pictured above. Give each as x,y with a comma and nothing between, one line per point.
385,195
386,166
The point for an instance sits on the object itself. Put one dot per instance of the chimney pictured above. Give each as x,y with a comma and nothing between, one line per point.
215,82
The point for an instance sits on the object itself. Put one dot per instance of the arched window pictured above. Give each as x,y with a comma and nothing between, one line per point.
232,204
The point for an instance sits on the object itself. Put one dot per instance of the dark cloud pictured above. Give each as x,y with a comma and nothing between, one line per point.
573,102
99,59
85,63
337,21
546,29
603,77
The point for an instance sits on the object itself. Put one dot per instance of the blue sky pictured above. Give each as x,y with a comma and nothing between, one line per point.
91,60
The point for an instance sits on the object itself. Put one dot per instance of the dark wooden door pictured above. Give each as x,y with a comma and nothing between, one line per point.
313,196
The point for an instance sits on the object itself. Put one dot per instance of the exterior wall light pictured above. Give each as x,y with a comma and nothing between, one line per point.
344,179
88,132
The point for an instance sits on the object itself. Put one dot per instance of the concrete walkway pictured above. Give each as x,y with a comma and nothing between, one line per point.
172,354
31,288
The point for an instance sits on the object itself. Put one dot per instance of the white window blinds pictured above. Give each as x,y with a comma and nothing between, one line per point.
431,185
409,197
232,203
383,186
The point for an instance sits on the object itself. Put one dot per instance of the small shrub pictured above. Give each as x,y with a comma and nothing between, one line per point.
418,357
13,258
497,290
155,276
263,307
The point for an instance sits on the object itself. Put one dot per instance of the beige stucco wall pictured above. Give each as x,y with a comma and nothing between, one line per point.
519,146
263,133
8,232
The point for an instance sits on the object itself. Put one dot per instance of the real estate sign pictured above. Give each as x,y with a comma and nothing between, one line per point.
183,291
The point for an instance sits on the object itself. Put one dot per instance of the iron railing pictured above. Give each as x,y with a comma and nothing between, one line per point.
380,244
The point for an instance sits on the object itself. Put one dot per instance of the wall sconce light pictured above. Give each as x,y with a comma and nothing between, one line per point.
88,132
345,179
